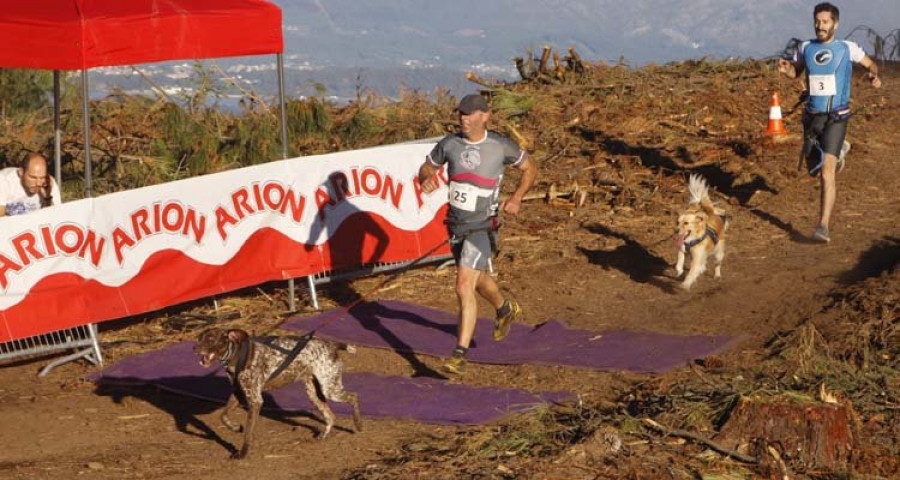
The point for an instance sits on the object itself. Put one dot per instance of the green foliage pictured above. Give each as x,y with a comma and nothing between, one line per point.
253,140
188,141
139,141
359,126
22,91
307,117
510,104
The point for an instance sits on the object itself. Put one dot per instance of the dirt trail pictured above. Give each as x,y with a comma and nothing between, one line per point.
599,268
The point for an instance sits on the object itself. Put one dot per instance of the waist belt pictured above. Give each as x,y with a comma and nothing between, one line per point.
462,230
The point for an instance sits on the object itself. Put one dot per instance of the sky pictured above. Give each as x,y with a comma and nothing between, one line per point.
349,32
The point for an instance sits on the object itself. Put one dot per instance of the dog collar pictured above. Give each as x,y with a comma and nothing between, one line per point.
228,354
242,356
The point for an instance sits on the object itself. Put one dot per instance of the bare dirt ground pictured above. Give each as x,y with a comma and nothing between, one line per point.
601,267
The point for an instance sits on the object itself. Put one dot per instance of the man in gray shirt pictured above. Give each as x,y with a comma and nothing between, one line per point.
476,159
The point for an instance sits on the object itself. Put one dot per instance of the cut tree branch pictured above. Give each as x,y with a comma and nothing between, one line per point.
703,441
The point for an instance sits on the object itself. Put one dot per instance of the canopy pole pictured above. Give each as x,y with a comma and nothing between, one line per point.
57,158
284,139
85,103
292,299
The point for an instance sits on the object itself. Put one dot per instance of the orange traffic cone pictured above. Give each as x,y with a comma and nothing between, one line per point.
776,124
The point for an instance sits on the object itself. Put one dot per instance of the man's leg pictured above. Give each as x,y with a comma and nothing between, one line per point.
487,288
467,279
832,143
828,190
466,282
508,311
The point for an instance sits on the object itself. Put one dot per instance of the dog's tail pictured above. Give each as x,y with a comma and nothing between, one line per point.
699,194
697,189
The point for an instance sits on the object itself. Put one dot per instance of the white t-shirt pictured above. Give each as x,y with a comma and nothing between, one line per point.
14,197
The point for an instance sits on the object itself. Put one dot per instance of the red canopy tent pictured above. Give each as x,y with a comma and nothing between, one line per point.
80,34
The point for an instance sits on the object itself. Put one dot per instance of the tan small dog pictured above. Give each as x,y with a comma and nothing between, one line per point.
701,231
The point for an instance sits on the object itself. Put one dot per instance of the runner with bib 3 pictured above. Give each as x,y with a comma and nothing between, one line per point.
828,63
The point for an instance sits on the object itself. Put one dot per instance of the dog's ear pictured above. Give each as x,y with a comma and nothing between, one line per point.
205,334
237,336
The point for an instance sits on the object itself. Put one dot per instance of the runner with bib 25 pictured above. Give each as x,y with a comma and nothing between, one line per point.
476,159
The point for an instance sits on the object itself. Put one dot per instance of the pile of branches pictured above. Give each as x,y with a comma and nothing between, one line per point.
667,427
605,124
585,122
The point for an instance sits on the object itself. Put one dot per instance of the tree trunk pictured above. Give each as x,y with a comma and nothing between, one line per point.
811,435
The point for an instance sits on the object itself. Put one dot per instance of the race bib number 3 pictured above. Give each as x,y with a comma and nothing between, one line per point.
822,85
464,196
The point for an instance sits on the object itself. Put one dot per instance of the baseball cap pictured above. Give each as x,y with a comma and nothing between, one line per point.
471,103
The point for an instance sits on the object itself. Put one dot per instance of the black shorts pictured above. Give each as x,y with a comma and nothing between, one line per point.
822,133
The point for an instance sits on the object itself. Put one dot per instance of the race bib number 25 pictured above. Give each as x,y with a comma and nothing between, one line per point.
464,196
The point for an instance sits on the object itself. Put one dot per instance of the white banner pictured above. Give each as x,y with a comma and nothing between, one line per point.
139,250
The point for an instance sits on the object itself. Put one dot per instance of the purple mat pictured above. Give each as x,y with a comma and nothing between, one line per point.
426,400
410,328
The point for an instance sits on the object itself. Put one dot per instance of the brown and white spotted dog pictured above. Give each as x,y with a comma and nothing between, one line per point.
251,363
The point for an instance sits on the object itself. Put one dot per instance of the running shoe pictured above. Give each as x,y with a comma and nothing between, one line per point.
504,322
456,364
821,234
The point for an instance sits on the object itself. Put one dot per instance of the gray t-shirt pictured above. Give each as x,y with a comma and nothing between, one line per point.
475,170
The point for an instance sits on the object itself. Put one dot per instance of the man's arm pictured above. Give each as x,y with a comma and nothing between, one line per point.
872,67
789,68
428,177
513,204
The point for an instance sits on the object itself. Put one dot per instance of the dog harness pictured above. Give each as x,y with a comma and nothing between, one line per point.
244,352
708,233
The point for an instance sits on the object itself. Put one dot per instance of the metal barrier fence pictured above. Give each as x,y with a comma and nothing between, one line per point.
83,337
369,269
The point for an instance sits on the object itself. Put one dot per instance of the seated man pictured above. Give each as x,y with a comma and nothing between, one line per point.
27,188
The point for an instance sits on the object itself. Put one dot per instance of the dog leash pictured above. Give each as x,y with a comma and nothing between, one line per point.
364,297
303,340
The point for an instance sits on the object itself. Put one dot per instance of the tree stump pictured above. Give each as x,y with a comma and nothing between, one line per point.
810,434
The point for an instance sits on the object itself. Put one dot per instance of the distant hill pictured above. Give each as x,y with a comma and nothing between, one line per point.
425,44
466,32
